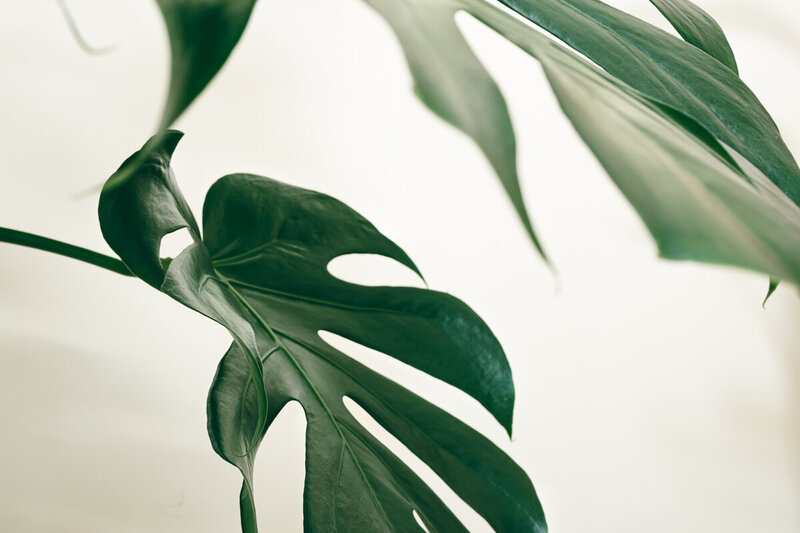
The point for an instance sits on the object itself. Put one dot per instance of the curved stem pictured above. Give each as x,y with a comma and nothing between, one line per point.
61,248
78,36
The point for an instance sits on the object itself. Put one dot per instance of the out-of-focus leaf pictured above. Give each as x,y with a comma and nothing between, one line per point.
773,286
261,270
693,86
453,83
694,202
448,77
77,35
698,28
202,34
701,201
673,73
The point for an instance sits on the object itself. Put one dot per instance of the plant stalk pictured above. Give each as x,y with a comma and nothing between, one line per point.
38,242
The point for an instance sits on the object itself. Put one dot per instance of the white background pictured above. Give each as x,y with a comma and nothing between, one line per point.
652,396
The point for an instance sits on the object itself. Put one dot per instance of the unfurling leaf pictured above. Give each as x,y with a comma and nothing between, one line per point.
260,269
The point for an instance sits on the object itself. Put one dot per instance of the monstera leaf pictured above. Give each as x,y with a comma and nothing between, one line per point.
451,81
708,210
700,199
691,85
260,270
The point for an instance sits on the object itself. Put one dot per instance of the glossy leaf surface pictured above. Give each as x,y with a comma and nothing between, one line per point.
698,28
261,271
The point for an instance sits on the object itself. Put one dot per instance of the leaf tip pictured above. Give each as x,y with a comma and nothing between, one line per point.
773,285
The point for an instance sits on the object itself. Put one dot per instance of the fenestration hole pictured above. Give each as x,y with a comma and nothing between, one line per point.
373,270
468,516
174,242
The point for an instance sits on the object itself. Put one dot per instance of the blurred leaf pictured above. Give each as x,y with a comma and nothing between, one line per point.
773,286
695,203
202,34
693,87
261,271
82,43
673,73
453,83
698,28
689,88
700,199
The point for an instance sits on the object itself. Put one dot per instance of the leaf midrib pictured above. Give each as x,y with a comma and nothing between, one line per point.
361,384
279,342
328,303
241,257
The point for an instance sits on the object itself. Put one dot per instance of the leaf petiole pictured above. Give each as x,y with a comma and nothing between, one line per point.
38,242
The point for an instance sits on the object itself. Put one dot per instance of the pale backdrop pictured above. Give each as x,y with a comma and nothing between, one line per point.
652,396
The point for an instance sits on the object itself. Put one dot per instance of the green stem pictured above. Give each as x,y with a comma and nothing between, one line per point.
61,248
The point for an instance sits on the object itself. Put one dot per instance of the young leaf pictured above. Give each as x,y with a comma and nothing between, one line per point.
698,28
261,270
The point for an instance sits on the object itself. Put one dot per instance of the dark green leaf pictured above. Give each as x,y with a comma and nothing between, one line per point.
773,286
202,34
261,270
135,214
698,28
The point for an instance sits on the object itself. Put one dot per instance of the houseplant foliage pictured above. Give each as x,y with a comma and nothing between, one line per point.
712,178
670,120
260,270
